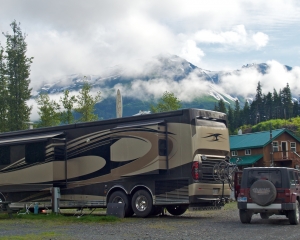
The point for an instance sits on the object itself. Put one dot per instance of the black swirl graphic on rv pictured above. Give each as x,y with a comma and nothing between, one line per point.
215,136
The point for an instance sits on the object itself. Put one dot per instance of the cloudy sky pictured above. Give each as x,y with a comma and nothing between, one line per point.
91,36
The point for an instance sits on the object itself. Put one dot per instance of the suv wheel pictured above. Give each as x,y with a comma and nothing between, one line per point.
245,216
294,215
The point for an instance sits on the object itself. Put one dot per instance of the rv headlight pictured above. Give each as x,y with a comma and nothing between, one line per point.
203,157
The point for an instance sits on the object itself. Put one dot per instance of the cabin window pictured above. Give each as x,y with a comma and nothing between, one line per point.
248,152
233,153
275,147
4,155
35,152
162,147
293,147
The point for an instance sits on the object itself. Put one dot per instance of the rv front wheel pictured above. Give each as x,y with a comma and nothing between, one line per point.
142,203
121,197
177,210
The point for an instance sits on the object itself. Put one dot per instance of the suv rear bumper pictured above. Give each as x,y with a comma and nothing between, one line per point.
274,206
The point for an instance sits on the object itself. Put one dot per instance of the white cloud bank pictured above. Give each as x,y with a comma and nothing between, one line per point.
74,36
238,37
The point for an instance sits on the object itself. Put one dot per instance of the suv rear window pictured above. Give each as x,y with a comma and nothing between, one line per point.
272,175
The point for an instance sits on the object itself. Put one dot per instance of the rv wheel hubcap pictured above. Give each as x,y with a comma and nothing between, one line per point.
117,200
141,203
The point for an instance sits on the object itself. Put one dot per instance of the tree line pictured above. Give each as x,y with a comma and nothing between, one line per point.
276,105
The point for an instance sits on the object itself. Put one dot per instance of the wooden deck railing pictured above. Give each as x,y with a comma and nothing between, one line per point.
286,156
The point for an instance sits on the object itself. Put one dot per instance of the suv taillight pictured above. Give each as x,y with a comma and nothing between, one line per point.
287,192
242,192
195,170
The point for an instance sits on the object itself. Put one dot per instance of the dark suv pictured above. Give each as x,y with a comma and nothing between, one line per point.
268,191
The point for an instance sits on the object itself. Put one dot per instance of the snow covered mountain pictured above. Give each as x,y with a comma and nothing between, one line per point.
196,87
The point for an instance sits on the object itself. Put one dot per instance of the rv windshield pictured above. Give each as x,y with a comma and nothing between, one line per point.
210,123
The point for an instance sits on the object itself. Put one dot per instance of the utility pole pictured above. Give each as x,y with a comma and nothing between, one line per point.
272,149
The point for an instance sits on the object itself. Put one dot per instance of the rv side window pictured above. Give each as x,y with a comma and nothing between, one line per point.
4,155
17,153
162,147
35,152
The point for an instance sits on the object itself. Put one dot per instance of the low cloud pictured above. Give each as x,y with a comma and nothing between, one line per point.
244,82
238,37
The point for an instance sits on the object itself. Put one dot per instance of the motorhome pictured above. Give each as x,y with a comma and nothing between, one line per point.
148,162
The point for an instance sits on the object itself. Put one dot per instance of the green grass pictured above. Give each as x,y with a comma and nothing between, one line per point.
60,219
41,236
230,206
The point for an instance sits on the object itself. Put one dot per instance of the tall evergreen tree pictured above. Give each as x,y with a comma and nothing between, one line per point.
68,104
230,117
259,102
286,98
48,111
246,113
296,109
18,71
221,106
268,103
86,104
277,104
3,93
237,115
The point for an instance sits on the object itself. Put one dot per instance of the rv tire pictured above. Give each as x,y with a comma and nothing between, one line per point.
177,210
142,203
121,197
156,210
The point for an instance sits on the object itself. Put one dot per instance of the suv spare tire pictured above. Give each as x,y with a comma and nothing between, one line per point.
263,192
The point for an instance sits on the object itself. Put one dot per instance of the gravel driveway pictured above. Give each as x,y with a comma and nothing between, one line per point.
222,224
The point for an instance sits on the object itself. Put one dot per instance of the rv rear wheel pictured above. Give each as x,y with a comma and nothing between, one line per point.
177,210
142,203
121,197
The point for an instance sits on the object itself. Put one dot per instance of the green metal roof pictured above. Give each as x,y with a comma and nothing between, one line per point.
255,140
246,160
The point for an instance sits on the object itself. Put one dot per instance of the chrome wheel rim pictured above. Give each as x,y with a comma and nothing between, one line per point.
141,203
118,199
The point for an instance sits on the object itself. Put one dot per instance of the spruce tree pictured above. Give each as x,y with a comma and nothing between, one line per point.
18,71
230,118
277,104
237,115
3,93
246,113
221,106
259,102
286,98
86,104
269,106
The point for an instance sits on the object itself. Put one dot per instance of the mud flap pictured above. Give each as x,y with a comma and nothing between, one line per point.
116,209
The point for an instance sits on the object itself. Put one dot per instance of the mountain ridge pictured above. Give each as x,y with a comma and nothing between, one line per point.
171,69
